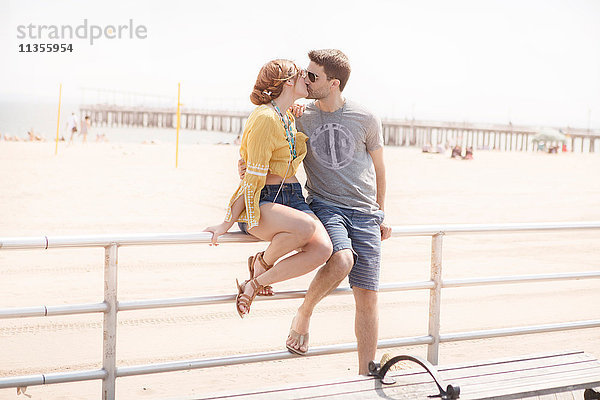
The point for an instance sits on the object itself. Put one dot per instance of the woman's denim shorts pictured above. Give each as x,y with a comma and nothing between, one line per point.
290,195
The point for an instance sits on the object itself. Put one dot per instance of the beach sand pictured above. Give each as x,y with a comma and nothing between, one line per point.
128,188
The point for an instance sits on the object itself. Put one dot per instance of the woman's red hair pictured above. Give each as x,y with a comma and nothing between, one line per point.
270,80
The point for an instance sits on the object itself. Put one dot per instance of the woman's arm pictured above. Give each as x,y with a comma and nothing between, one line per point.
258,149
217,230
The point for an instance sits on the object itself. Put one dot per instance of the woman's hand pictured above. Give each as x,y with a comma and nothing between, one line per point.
218,230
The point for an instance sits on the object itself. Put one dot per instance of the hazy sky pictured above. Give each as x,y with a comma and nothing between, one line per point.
531,62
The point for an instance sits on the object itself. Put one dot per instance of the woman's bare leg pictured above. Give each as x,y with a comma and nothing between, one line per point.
315,252
294,230
288,230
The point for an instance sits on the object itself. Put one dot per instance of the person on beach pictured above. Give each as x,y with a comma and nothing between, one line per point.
72,126
456,152
268,202
85,127
32,137
468,153
346,190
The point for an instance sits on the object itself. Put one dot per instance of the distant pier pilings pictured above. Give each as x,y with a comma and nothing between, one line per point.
480,136
503,137
146,117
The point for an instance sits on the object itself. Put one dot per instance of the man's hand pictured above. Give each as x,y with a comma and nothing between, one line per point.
386,231
297,110
241,168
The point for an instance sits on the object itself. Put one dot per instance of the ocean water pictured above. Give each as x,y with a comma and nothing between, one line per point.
17,118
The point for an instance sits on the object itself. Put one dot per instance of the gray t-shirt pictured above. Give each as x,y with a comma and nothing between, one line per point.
338,167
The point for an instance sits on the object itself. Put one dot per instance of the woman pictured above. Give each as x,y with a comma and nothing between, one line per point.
269,203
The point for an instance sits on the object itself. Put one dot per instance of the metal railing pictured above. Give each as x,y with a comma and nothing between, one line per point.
111,306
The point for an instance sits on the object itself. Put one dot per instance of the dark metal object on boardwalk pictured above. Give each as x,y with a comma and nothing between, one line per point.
591,394
450,393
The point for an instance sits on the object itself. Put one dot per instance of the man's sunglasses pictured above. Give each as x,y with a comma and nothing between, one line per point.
313,77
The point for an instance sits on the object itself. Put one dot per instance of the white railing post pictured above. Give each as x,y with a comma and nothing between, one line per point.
109,338
435,298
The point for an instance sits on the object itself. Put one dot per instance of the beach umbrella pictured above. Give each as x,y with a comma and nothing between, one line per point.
549,135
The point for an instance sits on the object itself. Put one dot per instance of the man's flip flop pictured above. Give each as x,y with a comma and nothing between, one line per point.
301,339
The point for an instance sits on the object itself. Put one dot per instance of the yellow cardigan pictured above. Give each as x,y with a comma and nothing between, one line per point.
265,150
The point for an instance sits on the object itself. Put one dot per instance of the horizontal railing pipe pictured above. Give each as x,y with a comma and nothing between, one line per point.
22,381
46,311
261,357
522,330
50,242
41,311
44,379
430,230
23,312
23,243
175,302
500,280
77,376
47,242
77,309
222,299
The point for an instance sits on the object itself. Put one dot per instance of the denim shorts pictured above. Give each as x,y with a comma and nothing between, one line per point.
358,231
290,195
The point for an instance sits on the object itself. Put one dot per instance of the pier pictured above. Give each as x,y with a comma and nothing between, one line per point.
479,135
397,132
164,117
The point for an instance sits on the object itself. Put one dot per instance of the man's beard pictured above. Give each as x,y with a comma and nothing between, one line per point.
316,95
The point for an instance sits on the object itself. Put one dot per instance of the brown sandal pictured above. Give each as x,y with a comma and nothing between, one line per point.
243,299
266,290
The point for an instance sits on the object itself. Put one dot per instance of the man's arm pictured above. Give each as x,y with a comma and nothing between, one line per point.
377,157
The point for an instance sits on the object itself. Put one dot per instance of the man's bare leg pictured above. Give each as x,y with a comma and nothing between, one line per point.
325,281
366,327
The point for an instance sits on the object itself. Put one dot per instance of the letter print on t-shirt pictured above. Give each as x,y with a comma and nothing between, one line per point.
333,145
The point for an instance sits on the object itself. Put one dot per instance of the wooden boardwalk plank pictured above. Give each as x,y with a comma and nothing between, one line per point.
547,397
559,376
564,396
531,386
516,364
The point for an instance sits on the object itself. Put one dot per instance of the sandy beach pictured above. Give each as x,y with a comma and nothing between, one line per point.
127,188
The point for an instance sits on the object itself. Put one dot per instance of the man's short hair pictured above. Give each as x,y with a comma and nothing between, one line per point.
334,62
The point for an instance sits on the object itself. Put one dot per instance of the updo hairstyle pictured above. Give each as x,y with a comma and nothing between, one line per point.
270,80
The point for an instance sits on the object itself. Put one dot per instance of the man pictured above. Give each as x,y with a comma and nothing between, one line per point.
346,190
